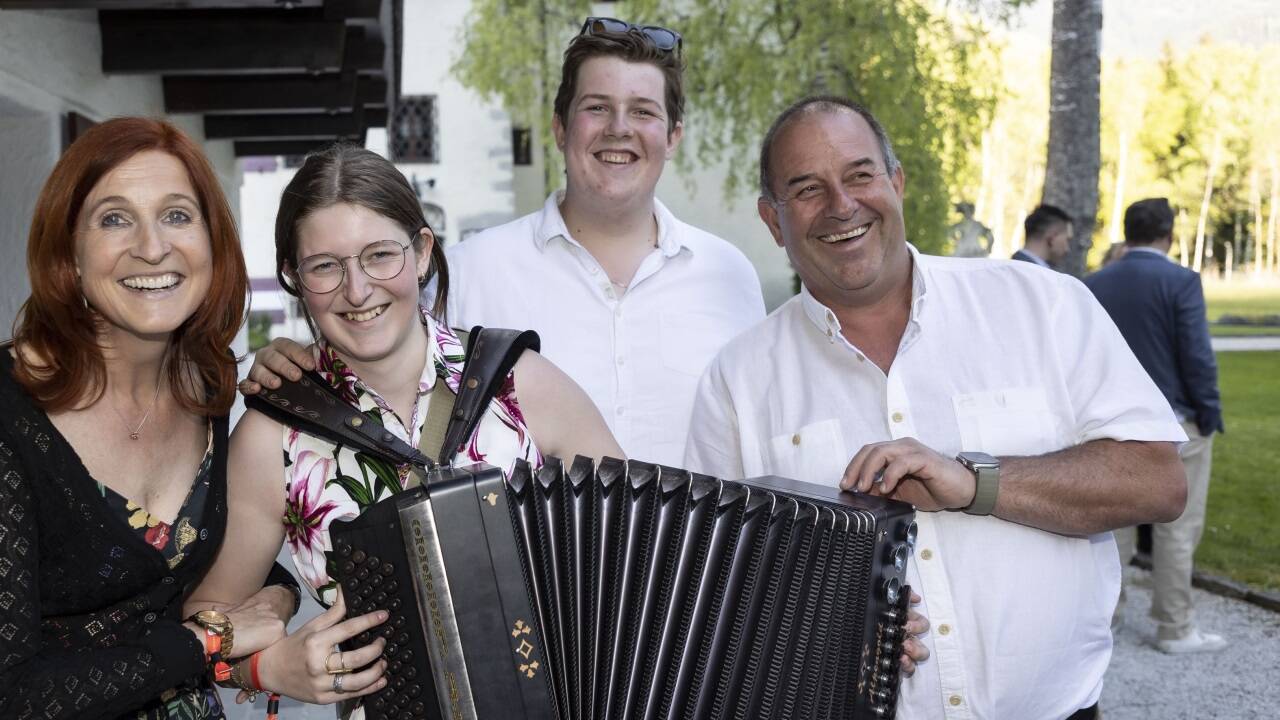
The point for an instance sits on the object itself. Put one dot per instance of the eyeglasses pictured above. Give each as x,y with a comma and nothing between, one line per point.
662,38
323,273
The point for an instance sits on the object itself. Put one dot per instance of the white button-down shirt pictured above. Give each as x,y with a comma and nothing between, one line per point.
638,353
1001,357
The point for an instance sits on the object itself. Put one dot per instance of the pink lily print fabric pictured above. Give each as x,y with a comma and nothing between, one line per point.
326,481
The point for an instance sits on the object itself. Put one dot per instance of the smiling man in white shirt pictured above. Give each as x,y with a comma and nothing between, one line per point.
631,302
915,366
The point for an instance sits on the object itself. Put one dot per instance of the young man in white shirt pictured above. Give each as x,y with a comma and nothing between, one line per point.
914,367
629,301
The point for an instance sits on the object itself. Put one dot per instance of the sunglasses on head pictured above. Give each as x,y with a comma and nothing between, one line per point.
662,38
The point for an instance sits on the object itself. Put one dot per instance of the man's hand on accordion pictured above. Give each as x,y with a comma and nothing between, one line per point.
906,469
307,666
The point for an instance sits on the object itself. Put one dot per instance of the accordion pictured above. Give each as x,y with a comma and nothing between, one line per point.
629,590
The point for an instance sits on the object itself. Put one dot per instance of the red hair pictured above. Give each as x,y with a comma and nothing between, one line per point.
66,368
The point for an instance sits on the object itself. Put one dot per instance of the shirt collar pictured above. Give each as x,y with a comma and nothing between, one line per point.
825,318
1035,258
356,392
550,225
1145,249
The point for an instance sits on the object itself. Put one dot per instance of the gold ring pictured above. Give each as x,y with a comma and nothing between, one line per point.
342,664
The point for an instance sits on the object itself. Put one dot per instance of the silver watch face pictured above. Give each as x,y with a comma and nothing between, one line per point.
978,460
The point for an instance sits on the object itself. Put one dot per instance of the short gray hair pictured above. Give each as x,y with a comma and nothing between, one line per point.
815,104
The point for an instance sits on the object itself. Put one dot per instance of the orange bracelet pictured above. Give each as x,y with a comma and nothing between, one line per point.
253,670
213,646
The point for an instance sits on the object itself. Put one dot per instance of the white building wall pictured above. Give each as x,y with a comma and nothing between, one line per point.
51,64
473,180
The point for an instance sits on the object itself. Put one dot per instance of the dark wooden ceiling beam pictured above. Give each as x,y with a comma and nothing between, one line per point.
352,9
271,127
177,42
157,4
272,93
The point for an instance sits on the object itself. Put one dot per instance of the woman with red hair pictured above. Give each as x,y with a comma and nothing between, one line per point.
114,397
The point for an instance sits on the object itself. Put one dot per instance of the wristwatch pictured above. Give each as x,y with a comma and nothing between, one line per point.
218,624
986,471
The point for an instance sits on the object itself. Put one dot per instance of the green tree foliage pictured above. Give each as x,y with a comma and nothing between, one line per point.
928,74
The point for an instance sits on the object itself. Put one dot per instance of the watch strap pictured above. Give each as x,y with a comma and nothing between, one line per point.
986,487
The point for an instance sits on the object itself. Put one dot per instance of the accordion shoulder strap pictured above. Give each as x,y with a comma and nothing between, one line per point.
491,353
312,405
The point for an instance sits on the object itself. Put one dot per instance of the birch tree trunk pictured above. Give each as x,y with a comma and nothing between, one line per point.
1117,203
1071,171
1272,220
1258,236
1204,203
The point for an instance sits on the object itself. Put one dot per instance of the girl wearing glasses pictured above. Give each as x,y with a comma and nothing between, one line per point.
352,244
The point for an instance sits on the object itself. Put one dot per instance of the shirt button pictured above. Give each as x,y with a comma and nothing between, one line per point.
944,629
795,439
862,358
621,361
595,271
204,533
926,554
149,618
621,410
897,417
954,700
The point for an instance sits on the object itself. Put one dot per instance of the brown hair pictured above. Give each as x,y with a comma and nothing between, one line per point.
631,46
350,174
61,331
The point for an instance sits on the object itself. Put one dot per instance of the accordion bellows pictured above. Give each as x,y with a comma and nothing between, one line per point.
630,591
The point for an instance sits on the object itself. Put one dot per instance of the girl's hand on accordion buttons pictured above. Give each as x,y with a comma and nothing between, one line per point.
913,651
281,358
305,665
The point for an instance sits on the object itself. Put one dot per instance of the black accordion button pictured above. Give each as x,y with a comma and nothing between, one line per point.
358,556
387,569
344,549
391,586
394,605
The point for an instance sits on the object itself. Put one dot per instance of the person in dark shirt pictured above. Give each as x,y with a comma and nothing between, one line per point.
113,437
1159,307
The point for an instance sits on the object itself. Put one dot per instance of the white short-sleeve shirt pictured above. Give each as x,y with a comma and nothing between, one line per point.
637,354
1001,357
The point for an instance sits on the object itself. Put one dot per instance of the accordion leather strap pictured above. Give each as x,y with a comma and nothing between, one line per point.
491,353
311,404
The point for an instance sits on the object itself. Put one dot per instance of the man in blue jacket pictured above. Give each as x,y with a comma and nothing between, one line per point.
1159,307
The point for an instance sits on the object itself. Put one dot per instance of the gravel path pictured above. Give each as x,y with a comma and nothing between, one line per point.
1242,681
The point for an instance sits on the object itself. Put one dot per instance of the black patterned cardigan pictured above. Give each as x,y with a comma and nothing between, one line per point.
90,615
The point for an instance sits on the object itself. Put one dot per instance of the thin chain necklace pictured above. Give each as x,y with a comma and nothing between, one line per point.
134,433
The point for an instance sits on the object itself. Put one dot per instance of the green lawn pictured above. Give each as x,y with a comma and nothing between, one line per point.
1242,535
1241,299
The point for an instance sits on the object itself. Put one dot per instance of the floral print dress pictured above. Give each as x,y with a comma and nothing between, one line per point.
198,700
327,481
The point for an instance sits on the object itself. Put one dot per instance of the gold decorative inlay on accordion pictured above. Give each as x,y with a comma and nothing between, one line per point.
629,590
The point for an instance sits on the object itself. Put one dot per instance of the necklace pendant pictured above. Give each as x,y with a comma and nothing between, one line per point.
133,436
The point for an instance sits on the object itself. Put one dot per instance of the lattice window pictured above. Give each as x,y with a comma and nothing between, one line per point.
413,130
521,146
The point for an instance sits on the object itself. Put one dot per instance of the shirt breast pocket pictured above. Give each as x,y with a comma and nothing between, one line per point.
1008,421
814,453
